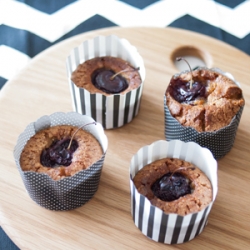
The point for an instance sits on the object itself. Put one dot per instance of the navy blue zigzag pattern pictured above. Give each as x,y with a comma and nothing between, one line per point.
47,6
230,3
36,44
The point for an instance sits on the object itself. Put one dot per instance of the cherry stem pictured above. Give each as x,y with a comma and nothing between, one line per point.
180,169
122,71
191,81
77,131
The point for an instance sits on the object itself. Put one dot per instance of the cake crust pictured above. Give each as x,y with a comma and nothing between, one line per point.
223,100
88,152
199,198
82,76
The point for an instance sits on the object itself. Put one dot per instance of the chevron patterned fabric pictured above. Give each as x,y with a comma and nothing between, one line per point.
28,27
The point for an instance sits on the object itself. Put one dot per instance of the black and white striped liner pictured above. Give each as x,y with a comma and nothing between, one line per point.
70,192
111,111
152,221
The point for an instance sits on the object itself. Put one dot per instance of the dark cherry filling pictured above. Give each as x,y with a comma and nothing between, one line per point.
101,78
171,186
180,90
58,153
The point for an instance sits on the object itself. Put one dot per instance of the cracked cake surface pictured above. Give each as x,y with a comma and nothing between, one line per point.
82,76
221,101
88,151
201,188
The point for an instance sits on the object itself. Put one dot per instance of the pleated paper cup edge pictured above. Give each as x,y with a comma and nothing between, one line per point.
123,41
142,65
172,143
104,144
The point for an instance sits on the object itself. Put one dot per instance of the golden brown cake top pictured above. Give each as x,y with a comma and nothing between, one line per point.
53,142
157,180
101,69
211,102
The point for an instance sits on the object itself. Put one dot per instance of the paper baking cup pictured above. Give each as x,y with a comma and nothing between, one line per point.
152,221
111,111
219,142
70,192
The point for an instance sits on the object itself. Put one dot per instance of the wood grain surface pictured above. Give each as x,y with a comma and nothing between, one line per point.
105,222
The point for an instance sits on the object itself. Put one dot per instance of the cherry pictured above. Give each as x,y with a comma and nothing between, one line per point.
180,90
171,186
61,151
103,79
185,91
58,153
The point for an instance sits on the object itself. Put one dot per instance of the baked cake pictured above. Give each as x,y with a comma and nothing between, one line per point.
95,75
47,151
208,104
174,186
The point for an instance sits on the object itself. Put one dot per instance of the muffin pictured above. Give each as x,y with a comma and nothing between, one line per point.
203,106
209,105
179,216
174,185
52,152
60,173
106,76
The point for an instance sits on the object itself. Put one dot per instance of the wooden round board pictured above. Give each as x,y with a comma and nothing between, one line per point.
105,222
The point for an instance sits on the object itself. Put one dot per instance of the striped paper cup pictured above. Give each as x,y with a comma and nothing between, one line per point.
114,110
151,220
218,142
69,192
